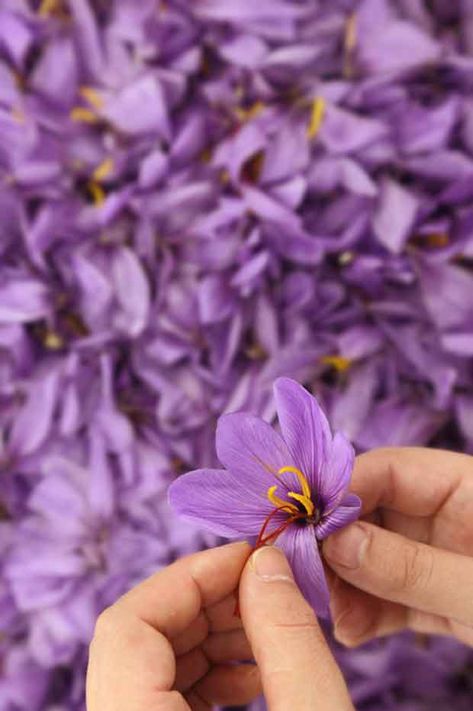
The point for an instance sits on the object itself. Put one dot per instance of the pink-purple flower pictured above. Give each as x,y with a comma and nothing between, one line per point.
290,488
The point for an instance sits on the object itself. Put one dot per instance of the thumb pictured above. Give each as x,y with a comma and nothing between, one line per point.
395,568
296,666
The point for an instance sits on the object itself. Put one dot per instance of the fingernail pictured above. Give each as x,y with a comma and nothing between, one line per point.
347,547
270,564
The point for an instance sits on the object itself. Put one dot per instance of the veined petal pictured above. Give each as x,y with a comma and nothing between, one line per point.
253,451
337,471
346,513
304,428
219,501
300,546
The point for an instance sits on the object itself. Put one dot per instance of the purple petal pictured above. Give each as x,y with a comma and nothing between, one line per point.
23,300
222,501
244,51
337,471
253,451
132,292
140,108
346,513
396,46
304,427
344,131
56,74
301,548
395,216
34,420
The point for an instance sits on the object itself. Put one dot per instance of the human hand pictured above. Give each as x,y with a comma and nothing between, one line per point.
409,563
170,642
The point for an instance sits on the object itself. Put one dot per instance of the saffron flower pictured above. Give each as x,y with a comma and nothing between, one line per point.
289,488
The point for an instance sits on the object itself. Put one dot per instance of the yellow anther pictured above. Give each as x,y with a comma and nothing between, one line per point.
53,341
302,479
339,363
82,115
251,112
48,7
280,503
97,192
316,117
349,45
92,96
103,170
306,502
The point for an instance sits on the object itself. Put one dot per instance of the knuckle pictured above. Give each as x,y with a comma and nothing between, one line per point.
415,571
105,623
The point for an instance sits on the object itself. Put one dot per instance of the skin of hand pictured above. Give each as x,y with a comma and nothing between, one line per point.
172,642
409,562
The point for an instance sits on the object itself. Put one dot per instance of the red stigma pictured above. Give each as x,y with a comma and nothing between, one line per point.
265,538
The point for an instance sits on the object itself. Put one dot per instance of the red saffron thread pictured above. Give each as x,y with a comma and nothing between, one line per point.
263,539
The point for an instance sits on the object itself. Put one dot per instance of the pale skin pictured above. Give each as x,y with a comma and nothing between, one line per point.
172,642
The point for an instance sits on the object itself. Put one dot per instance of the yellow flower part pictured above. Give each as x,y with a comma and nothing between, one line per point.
53,341
251,112
280,503
82,115
304,498
97,192
339,363
316,117
103,170
92,96
48,7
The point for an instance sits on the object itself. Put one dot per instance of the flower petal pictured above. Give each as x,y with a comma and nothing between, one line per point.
300,546
348,512
218,501
304,427
253,451
337,472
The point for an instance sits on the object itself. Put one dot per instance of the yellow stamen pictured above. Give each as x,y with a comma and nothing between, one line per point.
346,258
308,504
53,341
280,503
251,112
302,480
339,363
316,117
92,96
48,7
82,115
97,192
103,170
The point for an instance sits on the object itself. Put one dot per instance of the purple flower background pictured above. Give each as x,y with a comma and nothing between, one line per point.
197,197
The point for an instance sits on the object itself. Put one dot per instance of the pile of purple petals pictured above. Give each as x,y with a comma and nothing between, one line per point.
197,197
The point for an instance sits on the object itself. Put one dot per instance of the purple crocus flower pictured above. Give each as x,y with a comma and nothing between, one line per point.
291,488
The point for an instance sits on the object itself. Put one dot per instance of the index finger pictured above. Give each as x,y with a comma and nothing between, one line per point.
131,661
412,480
172,598
297,668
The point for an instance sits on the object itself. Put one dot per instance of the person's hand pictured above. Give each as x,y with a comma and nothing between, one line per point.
409,564
172,642
167,643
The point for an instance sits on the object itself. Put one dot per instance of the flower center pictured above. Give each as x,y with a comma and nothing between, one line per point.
304,498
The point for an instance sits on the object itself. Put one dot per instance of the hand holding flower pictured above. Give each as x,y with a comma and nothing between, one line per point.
173,643
290,488
415,568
